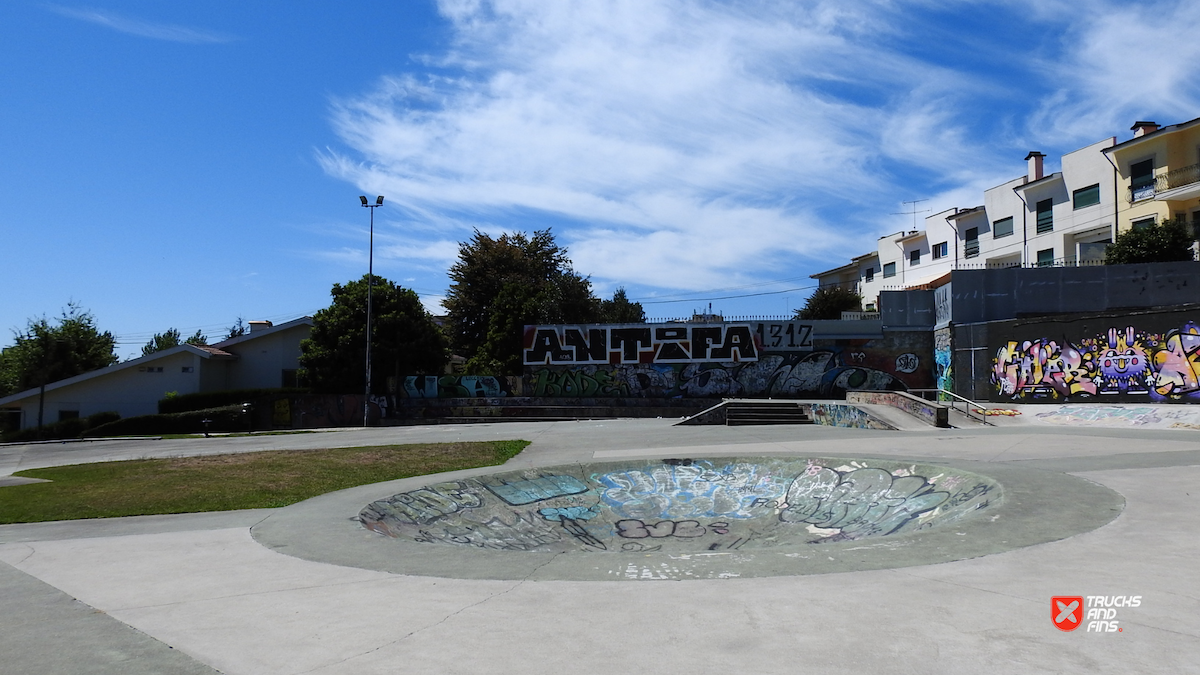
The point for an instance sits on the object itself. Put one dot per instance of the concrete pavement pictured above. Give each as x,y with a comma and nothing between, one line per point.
199,593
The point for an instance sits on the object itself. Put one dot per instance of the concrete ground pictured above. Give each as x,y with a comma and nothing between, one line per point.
221,592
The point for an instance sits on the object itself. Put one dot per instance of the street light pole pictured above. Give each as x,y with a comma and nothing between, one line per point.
370,286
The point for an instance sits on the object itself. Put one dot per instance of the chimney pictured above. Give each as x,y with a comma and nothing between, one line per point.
256,326
1035,165
1141,128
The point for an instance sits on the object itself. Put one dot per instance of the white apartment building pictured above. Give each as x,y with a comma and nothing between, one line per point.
1065,218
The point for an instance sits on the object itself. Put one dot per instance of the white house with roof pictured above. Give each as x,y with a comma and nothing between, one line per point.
1064,218
266,357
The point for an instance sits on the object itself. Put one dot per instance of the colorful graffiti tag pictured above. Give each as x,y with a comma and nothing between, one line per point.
681,505
1163,367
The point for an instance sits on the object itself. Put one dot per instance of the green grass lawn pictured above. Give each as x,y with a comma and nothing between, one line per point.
248,480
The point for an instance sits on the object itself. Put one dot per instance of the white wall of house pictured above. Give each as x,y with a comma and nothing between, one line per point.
131,388
263,359
135,387
999,204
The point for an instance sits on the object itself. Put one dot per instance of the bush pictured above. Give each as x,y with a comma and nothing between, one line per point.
206,400
72,428
226,418
1168,241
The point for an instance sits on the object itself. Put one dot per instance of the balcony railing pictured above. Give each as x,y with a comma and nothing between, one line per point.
1170,180
1177,178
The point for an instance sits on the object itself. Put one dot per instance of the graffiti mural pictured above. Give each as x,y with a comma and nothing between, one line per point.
1121,362
818,373
943,360
454,386
682,505
641,343
842,415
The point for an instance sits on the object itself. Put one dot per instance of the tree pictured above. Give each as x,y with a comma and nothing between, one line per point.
621,310
502,284
1166,242
404,339
828,302
171,338
237,330
46,352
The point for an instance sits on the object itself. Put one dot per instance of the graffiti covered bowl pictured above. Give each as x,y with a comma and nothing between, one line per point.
683,505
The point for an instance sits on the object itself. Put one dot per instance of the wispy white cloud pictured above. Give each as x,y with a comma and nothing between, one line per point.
676,144
147,29
1123,63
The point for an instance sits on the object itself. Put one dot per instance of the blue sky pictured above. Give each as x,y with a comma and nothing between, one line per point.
184,164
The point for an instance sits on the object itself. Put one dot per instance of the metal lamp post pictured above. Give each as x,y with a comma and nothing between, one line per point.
370,286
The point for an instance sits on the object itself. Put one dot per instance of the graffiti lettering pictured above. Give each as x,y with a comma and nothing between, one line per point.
642,343
1163,367
907,363
453,386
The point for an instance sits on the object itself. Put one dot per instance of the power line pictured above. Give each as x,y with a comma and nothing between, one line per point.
726,297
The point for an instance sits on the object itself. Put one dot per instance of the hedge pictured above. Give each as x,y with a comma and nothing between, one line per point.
207,400
72,428
225,418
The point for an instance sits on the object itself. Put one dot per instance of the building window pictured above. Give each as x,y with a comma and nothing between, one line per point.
869,275
1045,216
971,248
940,250
914,257
187,369
1143,224
1045,257
1002,228
1141,180
1088,196
889,270
150,369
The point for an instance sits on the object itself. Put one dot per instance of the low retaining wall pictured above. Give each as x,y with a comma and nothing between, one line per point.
931,413
843,415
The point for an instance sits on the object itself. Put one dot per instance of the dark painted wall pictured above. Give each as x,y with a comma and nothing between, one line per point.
993,294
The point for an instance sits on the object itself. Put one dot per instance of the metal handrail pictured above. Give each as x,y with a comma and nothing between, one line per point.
1177,178
972,406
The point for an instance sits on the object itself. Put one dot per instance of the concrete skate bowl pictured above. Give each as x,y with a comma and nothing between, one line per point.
691,518
683,506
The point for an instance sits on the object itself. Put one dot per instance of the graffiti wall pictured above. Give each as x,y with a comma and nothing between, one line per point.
943,360
661,343
454,386
844,415
1152,357
928,412
682,505
897,362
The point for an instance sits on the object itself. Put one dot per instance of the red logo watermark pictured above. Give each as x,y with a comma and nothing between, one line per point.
1066,611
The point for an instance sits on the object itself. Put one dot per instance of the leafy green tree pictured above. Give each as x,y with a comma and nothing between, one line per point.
1169,241
621,310
404,339
828,302
171,338
48,351
502,284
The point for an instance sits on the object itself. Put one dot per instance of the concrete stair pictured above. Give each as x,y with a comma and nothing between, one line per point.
742,413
